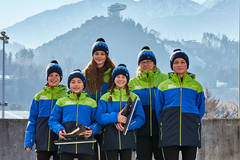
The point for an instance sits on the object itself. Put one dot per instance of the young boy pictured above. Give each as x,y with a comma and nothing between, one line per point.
37,130
69,112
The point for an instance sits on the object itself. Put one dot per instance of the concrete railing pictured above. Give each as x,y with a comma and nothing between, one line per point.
220,140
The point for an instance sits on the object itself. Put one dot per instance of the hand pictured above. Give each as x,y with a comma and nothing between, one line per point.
119,126
61,133
121,118
28,149
87,133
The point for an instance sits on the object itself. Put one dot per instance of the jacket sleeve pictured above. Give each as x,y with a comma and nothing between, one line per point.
55,119
139,117
103,117
201,103
32,122
159,102
95,126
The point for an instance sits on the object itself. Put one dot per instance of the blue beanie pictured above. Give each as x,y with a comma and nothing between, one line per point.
146,54
53,66
77,74
100,45
178,53
120,69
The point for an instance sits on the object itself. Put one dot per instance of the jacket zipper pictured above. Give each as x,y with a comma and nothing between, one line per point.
150,95
49,131
199,132
180,138
77,118
161,132
119,136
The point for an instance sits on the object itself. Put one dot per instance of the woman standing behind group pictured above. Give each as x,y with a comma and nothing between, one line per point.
109,114
145,85
98,74
99,69
180,106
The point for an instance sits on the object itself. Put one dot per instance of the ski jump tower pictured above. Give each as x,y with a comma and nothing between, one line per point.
115,9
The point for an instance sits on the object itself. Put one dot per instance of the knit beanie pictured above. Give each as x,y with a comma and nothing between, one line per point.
77,74
146,54
178,53
53,66
120,69
100,45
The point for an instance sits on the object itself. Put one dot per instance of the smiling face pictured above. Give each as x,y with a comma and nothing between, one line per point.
120,81
76,85
99,57
146,65
53,79
180,66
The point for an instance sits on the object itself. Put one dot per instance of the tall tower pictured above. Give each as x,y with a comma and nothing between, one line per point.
115,9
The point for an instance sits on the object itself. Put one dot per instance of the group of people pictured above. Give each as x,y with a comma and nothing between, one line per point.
166,119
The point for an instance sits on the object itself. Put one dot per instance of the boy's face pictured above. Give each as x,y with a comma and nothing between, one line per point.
76,85
54,79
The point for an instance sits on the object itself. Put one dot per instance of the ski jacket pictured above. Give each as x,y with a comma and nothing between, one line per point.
145,85
105,86
68,113
37,129
107,115
180,105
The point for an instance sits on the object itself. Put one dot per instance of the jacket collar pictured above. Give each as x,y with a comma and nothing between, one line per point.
175,77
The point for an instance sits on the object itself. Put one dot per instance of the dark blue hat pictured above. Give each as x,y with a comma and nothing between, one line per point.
178,53
146,54
53,66
120,69
100,45
77,74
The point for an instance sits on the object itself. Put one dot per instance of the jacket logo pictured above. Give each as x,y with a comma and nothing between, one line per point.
138,87
43,97
68,102
171,86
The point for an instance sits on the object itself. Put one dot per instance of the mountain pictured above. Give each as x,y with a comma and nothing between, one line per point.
222,18
211,3
124,37
45,26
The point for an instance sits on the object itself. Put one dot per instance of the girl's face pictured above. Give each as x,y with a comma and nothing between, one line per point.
180,66
146,65
54,79
76,85
99,57
120,81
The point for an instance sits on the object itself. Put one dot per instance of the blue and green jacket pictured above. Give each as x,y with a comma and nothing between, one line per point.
180,106
38,131
145,86
68,113
107,116
105,86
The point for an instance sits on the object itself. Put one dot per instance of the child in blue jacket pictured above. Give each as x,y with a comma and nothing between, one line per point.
180,106
109,115
74,109
37,130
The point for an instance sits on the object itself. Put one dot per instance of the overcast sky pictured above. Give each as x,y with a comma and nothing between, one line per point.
13,11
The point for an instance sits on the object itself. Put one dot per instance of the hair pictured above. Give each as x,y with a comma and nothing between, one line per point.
127,90
95,75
